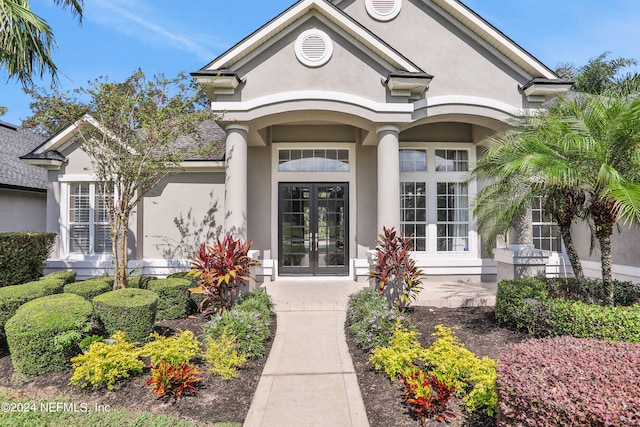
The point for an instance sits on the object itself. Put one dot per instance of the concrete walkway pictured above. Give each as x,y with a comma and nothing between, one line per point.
309,379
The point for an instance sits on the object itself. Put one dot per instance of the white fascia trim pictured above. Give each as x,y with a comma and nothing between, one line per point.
478,101
63,138
77,178
252,43
201,166
312,95
494,38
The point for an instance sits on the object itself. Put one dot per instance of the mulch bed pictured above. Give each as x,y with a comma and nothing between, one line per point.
476,328
216,400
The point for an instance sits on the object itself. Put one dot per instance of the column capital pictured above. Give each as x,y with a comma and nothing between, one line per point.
236,127
387,128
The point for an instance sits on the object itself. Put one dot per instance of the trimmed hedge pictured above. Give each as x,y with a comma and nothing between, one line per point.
89,289
566,381
23,256
140,282
173,298
12,297
32,333
527,304
130,310
66,276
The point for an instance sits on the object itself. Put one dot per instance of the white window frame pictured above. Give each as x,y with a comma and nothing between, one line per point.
537,206
66,181
431,177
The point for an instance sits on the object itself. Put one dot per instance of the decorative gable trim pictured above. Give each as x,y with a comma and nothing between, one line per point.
383,10
324,10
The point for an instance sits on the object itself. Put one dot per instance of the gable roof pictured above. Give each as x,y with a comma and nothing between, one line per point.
453,10
49,152
14,142
322,9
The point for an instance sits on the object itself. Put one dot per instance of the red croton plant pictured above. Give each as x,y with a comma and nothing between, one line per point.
395,274
427,396
221,270
173,380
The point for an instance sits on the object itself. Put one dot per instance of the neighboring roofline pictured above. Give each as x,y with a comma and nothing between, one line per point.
21,188
8,125
325,8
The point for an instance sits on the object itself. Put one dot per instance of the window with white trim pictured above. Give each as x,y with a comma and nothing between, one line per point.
453,217
546,234
88,220
413,213
434,197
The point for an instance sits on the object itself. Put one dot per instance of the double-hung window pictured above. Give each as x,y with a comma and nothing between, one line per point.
88,219
546,235
434,197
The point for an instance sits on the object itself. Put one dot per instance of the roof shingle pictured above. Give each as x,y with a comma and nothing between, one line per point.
15,142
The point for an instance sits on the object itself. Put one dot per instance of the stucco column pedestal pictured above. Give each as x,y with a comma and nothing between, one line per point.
521,261
235,195
388,177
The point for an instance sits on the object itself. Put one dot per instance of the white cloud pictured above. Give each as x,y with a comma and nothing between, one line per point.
146,23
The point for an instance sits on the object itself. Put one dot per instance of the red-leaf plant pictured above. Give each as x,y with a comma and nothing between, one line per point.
220,271
395,273
427,396
173,380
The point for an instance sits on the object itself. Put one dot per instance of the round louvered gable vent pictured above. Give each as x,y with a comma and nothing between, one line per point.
313,48
383,10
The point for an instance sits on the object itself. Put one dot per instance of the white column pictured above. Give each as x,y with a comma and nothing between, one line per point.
388,177
235,194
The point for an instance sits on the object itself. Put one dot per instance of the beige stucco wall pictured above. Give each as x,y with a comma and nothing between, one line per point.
278,70
22,210
366,195
259,200
180,213
460,65
624,245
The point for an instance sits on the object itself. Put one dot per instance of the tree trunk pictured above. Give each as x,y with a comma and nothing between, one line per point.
606,261
574,259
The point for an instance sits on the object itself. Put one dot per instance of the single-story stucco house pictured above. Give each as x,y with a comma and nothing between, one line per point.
339,117
23,188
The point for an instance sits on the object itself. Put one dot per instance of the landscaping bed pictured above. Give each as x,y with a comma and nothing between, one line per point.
216,399
476,328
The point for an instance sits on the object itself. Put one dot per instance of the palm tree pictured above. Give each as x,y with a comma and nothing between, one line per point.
584,146
516,162
27,40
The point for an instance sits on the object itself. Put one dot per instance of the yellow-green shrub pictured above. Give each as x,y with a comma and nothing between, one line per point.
398,357
106,363
222,355
453,364
176,350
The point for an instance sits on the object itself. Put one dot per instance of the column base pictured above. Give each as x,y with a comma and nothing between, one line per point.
521,261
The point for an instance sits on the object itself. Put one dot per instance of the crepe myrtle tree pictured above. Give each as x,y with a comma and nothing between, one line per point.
136,132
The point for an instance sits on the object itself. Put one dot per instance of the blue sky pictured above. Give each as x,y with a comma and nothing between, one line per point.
119,36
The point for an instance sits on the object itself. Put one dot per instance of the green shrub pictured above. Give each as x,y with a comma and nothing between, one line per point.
257,301
140,282
454,365
399,356
624,293
40,324
89,289
176,350
581,320
372,321
130,310
66,276
23,256
528,304
222,355
523,302
105,364
12,297
251,330
173,298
